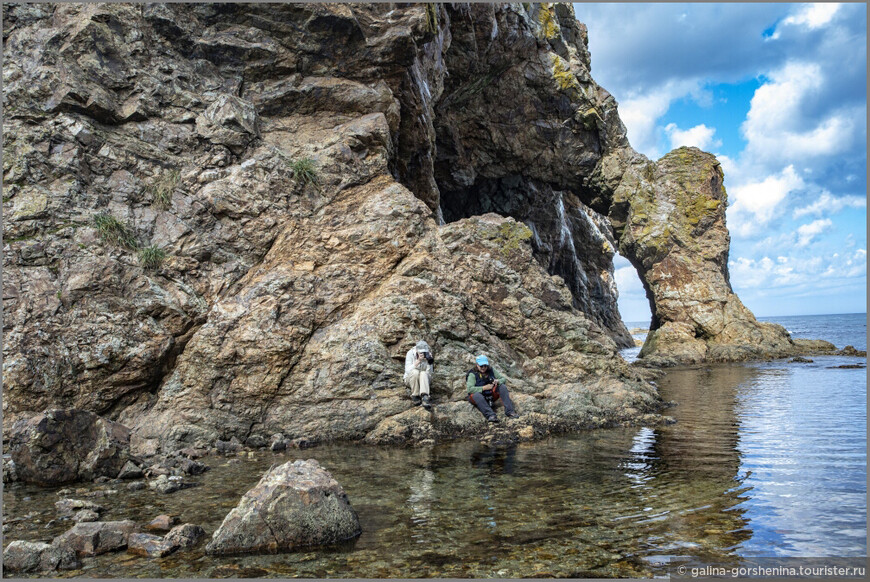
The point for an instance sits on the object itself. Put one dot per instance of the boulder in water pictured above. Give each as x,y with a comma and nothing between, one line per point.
21,556
152,546
297,504
66,445
185,536
94,538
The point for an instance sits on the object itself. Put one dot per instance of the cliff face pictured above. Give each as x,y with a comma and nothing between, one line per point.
226,220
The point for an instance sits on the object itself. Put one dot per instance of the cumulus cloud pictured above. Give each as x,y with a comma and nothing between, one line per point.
699,136
813,15
755,204
794,270
828,204
628,281
806,232
641,111
777,128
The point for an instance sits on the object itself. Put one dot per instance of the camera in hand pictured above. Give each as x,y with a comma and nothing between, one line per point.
429,357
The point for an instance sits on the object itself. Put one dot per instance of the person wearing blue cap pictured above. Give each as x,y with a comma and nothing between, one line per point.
484,386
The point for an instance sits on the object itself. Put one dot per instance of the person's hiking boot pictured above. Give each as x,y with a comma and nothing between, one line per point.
492,418
416,400
512,415
426,403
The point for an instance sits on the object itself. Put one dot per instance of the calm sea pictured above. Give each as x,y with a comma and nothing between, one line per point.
765,459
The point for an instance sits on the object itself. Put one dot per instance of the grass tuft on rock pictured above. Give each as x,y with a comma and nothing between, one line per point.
304,171
162,189
151,257
114,231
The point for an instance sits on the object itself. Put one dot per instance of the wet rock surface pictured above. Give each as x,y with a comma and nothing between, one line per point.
21,556
149,545
61,446
295,505
90,539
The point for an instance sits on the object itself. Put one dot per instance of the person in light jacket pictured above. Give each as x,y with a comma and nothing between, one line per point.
419,365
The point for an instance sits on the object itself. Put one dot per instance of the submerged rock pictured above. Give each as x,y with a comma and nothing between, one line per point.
62,446
295,505
130,470
94,538
152,546
185,536
161,523
71,506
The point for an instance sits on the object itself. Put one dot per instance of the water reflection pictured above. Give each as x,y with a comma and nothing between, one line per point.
606,503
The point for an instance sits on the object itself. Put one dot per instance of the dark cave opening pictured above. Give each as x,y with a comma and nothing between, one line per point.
569,238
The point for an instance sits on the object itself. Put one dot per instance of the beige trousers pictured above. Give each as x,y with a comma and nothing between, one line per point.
419,382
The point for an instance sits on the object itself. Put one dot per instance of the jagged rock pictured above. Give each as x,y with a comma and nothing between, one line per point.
295,163
185,536
851,351
21,556
94,538
509,304
800,360
669,217
151,546
295,505
229,121
61,446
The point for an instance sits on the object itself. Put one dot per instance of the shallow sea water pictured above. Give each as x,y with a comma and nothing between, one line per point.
766,459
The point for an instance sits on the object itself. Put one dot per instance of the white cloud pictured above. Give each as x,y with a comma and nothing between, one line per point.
699,136
791,271
828,204
775,126
640,112
813,15
755,204
628,281
807,232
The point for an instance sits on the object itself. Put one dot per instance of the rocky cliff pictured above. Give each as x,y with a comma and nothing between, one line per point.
234,219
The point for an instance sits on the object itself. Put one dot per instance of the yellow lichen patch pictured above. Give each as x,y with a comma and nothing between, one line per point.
565,79
509,235
547,20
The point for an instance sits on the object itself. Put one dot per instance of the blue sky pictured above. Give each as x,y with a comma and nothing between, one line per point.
778,92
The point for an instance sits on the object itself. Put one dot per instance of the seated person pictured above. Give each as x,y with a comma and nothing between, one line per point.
485,386
419,365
